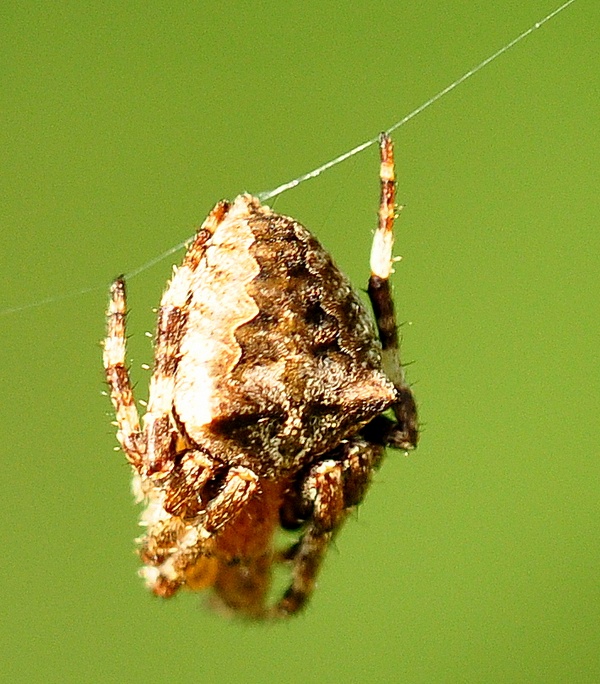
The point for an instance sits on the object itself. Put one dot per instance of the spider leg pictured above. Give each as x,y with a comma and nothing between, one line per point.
178,550
129,434
328,493
406,435
159,425
240,484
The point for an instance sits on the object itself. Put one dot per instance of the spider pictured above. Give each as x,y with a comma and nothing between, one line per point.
271,403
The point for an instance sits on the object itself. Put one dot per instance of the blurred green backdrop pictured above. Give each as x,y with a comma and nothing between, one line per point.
476,559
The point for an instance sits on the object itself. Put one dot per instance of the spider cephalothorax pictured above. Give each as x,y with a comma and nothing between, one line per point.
266,403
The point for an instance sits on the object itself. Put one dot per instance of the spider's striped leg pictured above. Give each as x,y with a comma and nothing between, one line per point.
329,492
129,434
175,550
323,492
172,319
406,434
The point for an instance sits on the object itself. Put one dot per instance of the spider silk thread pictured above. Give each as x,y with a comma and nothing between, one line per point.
269,194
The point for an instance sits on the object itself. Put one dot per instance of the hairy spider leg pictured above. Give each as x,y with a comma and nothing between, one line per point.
406,434
190,554
330,491
129,434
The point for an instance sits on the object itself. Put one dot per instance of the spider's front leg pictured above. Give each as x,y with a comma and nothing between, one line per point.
183,527
129,434
406,433
324,498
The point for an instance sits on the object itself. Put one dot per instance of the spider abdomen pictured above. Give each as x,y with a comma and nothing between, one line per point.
277,342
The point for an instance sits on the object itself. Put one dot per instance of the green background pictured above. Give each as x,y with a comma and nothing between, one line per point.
475,559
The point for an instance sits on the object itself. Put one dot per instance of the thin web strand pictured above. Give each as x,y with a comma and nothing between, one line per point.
52,300
94,288
269,194
156,260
